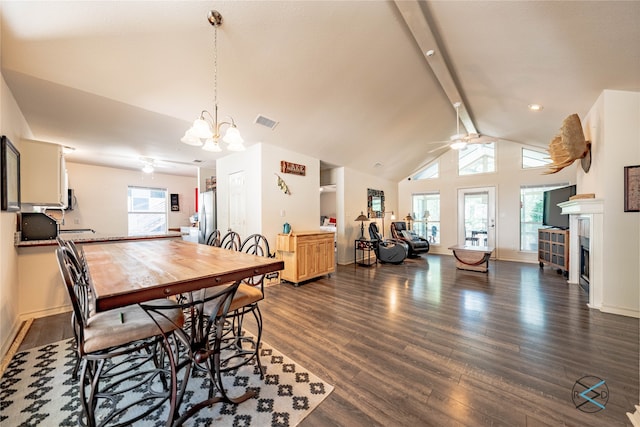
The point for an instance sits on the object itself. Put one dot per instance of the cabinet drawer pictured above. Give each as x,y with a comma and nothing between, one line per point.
285,243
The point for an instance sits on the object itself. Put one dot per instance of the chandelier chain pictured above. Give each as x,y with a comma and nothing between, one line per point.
215,66
203,130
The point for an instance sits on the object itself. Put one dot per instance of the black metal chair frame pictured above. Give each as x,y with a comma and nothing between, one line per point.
105,372
239,349
231,241
213,239
79,265
200,344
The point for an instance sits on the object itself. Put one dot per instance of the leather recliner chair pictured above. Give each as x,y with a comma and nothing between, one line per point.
417,245
390,250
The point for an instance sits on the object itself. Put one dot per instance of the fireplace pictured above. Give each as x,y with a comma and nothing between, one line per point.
586,257
583,239
584,263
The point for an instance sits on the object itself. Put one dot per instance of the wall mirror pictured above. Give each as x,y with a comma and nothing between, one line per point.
375,203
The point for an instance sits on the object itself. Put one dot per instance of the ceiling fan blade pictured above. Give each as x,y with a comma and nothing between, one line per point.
480,139
446,146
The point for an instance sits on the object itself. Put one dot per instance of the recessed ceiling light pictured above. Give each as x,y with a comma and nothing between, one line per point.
430,52
535,107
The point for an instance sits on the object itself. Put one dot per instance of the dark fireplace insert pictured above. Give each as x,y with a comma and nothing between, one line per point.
584,263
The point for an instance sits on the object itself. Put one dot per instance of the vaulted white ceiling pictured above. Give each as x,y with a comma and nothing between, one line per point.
348,81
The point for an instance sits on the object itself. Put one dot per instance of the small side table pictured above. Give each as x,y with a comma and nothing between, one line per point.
365,247
474,258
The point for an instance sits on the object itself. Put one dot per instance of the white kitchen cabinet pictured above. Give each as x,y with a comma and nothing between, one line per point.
43,174
190,234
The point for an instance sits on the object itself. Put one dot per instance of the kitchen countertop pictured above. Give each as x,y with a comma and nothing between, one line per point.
95,238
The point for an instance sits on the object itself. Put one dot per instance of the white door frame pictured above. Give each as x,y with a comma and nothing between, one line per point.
491,213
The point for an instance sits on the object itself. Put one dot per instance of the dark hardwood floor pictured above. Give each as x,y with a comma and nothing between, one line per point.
424,344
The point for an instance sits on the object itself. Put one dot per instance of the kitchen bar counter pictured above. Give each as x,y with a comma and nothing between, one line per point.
95,238
42,292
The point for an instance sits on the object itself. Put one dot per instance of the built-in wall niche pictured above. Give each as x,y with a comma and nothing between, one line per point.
375,203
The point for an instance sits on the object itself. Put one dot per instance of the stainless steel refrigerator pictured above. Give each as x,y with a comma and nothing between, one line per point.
207,215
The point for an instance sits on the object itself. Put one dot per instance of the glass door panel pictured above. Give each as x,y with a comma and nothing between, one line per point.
476,218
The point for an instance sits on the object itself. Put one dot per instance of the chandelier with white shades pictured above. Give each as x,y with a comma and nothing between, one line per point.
205,131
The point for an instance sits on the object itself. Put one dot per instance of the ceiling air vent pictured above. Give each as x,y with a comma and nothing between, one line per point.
265,121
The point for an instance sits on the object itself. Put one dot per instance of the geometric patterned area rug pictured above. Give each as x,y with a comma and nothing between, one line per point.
37,389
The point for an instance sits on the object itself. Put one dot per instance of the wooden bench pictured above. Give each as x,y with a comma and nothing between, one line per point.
474,258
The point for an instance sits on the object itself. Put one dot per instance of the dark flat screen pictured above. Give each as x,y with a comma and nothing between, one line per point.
551,212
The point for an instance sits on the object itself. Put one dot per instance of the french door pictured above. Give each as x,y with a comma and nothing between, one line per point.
477,216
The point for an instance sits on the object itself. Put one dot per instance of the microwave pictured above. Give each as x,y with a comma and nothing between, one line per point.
37,226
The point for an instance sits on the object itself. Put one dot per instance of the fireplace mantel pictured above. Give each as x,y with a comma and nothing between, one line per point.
593,210
582,206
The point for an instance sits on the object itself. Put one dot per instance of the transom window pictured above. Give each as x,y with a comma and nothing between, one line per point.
477,158
147,210
430,172
534,158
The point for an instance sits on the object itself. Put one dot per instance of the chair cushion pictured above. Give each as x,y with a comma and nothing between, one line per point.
105,329
245,295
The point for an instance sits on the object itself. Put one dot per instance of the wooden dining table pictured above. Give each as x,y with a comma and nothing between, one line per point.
125,273
143,271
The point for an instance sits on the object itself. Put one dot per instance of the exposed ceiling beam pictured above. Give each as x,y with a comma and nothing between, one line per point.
427,42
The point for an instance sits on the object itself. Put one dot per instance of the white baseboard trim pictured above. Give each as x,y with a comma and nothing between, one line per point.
8,355
11,336
635,417
43,313
621,311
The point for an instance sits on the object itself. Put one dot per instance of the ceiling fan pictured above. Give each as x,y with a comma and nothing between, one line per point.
150,164
459,141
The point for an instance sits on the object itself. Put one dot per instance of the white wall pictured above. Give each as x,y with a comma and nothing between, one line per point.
302,206
613,125
507,180
203,174
351,199
102,197
267,207
328,204
14,126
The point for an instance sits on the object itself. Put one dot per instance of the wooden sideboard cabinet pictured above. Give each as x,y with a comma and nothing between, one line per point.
553,248
306,255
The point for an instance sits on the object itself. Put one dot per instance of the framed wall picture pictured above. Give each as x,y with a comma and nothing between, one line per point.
10,161
632,188
175,202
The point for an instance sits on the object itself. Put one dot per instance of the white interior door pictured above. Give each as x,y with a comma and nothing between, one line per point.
237,203
477,216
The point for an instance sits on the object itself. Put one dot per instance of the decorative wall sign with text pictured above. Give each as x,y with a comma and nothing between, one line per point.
294,168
